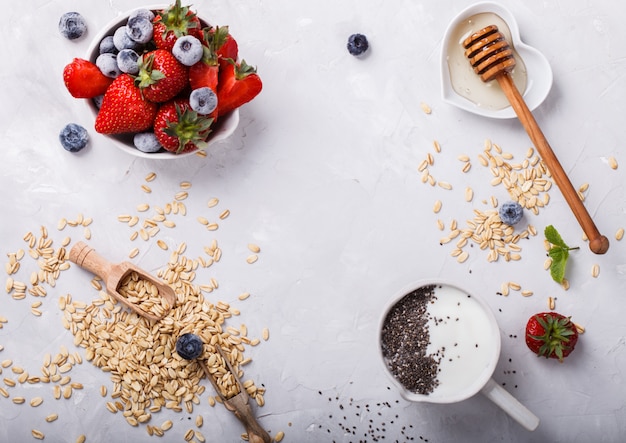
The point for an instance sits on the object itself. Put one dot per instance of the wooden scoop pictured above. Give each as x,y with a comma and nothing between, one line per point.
492,58
239,404
113,275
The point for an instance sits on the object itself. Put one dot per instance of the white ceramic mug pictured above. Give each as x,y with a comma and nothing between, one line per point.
471,337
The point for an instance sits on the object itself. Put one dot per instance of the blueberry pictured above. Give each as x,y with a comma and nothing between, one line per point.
146,142
203,100
73,137
145,13
189,346
97,101
122,40
139,29
357,44
188,50
107,63
107,45
127,61
510,213
72,25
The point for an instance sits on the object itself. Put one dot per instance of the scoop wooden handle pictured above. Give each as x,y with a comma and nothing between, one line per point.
492,58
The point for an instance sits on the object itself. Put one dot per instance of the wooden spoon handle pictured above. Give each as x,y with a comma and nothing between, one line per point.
598,243
86,257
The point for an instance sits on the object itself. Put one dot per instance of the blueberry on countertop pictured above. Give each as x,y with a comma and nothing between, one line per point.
146,142
73,137
510,213
203,100
139,29
357,44
107,63
188,50
127,61
189,346
72,25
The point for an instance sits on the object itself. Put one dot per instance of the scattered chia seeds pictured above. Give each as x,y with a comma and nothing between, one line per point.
405,338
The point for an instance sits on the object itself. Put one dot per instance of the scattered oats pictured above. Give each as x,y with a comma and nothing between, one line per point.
143,207
565,284
162,244
265,334
440,225
182,195
619,234
169,224
469,194
244,296
612,162
595,270
133,253
224,214
252,258
87,233
437,206
436,146
462,257
444,185
52,417
37,434
199,421
527,293
167,425
19,400
103,391
579,328
494,201
254,248
463,158
81,438
62,224
551,304
145,188
583,187
466,167
36,401
279,436
422,166
201,153
213,202
203,221
185,185
124,218
150,177
425,108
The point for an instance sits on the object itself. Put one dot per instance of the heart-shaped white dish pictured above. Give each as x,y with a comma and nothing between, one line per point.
461,87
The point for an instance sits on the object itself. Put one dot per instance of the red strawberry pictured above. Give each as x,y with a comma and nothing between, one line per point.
551,335
227,49
83,79
161,77
175,22
205,73
239,83
124,109
179,128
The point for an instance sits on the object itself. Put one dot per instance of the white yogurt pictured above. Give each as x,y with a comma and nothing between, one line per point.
464,335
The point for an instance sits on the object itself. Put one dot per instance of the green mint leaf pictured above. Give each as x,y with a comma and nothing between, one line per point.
557,267
553,236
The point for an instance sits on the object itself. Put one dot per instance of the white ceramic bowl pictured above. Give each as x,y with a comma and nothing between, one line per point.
223,129
471,337
538,71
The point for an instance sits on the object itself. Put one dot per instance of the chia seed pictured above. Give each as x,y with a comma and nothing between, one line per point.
405,338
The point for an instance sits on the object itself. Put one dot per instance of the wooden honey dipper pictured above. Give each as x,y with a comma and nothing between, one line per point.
492,58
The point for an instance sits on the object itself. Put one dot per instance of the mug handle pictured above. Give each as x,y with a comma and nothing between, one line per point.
500,396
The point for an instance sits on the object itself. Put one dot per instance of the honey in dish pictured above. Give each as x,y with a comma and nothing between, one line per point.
464,80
